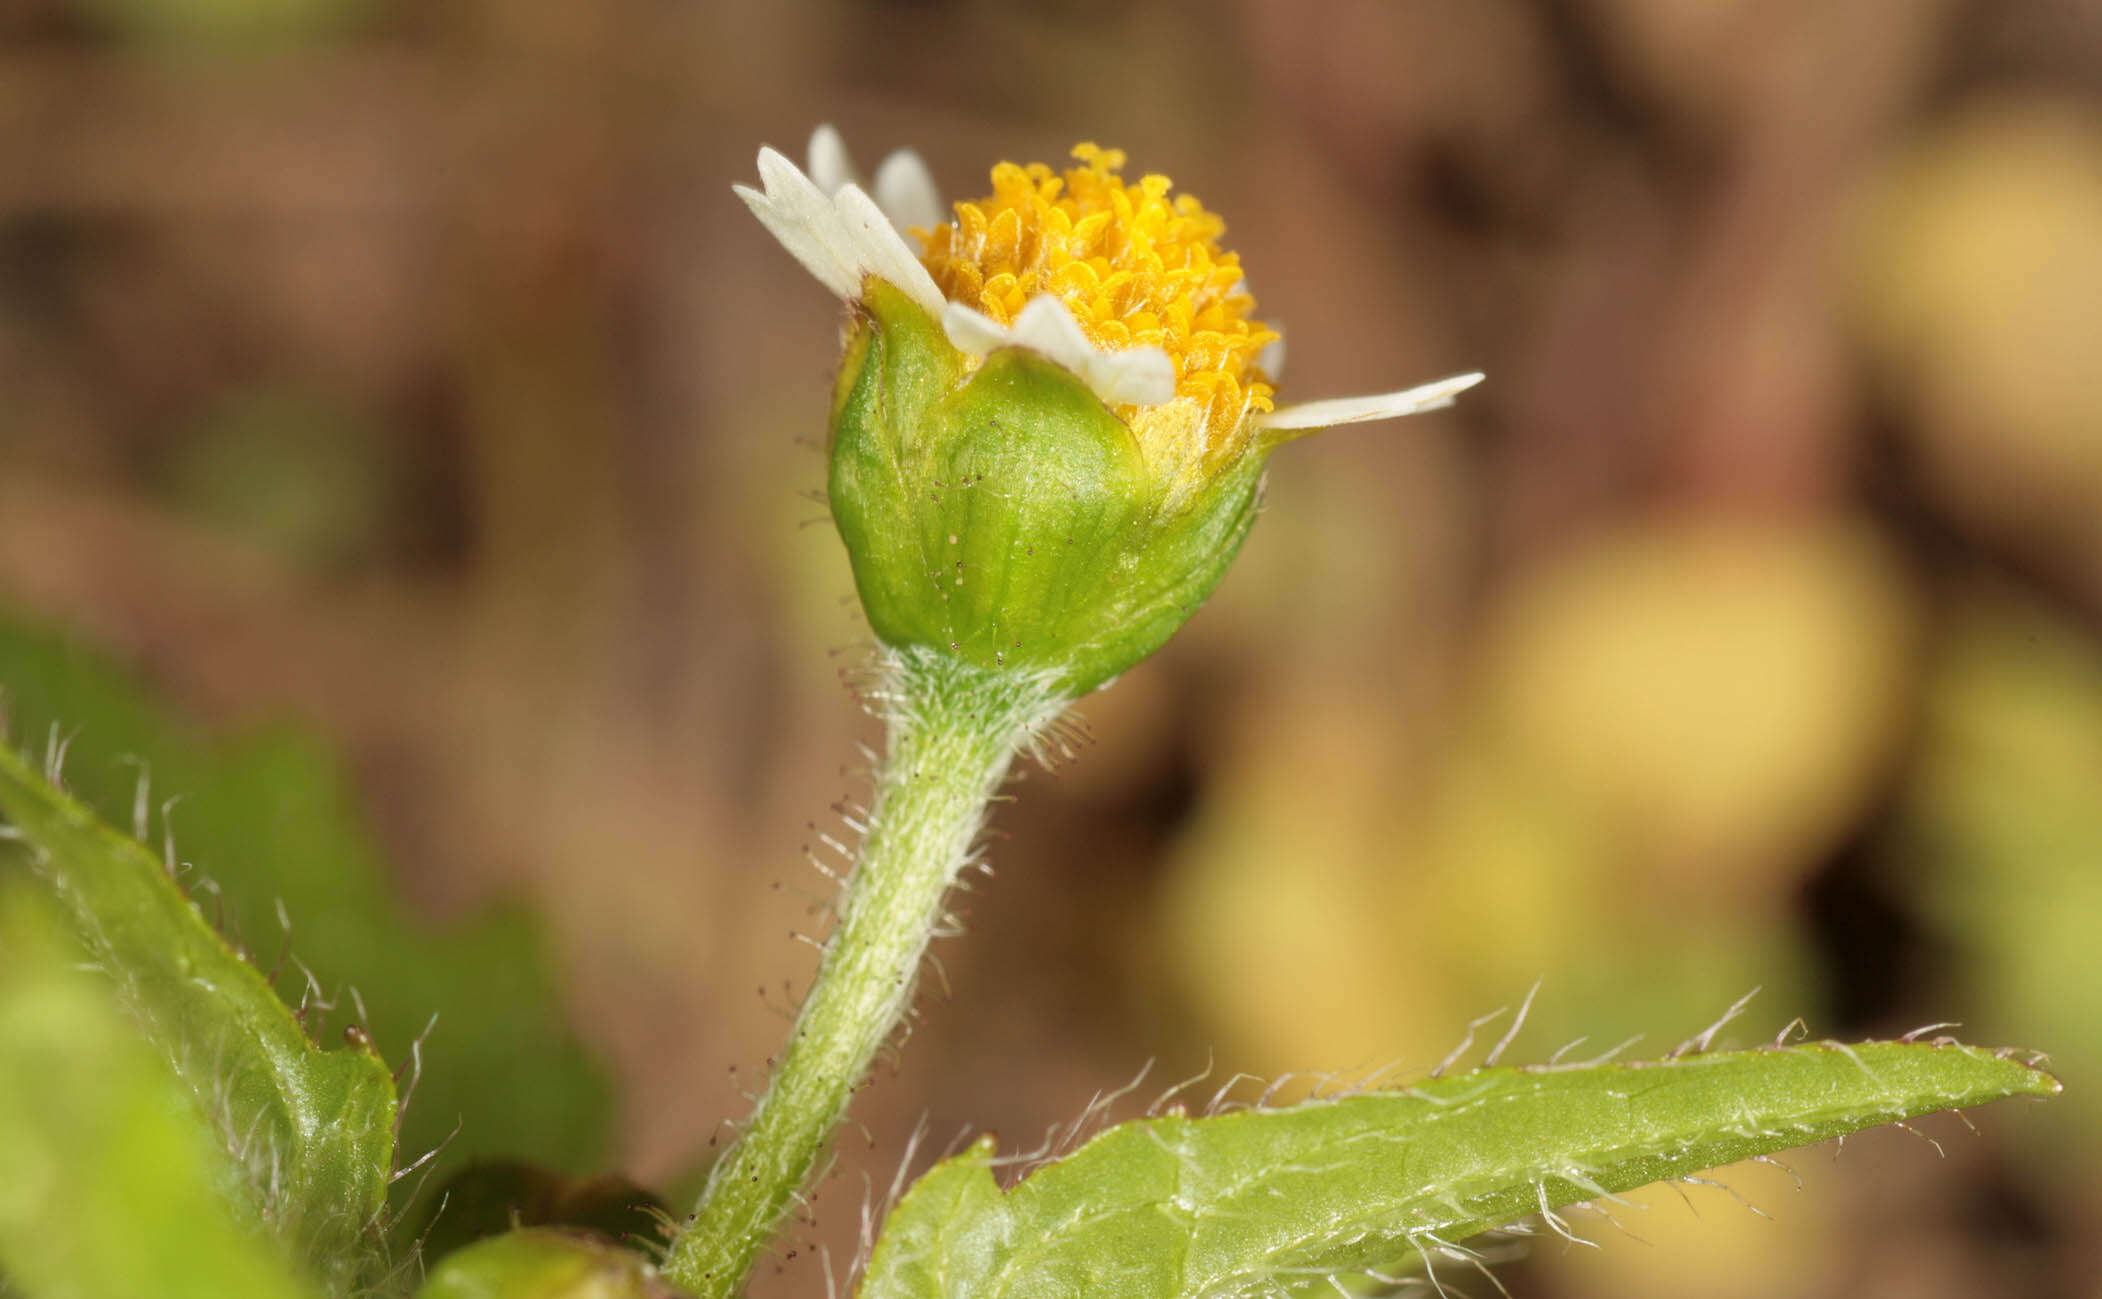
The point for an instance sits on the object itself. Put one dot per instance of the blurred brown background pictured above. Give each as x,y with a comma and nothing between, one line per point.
406,367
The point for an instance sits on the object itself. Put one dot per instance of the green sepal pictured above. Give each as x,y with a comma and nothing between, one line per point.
1004,515
1277,1201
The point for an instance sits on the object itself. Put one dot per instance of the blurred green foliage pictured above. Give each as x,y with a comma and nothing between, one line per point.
226,26
2005,818
306,1133
268,819
287,469
113,1186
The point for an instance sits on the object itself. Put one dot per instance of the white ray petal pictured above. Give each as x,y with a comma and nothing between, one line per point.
883,249
971,330
796,202
1134,376
906,192
1045,325
840,238
830,165
1357,410
785,181
793,226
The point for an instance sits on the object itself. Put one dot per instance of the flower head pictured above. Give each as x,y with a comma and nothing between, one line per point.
1074,345
1141,275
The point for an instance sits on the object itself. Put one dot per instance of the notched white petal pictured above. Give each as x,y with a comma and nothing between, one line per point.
1357,410
830,165
906,192
785,181
883,249
799,205
797,227
838,237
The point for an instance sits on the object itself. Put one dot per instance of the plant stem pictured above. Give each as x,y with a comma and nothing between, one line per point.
953,730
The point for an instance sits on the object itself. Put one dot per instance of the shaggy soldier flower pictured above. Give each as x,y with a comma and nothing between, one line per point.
1050,425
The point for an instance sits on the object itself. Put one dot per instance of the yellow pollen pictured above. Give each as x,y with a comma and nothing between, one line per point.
1134,266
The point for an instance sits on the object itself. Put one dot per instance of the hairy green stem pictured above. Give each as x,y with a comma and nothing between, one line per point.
953,730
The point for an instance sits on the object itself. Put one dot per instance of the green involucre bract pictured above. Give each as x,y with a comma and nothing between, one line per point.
1004,515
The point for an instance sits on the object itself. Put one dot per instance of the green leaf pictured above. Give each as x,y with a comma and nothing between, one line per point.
108,1183
1263,1201
269,816
311,1130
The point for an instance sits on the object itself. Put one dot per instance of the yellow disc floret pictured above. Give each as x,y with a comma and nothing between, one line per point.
1135,266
